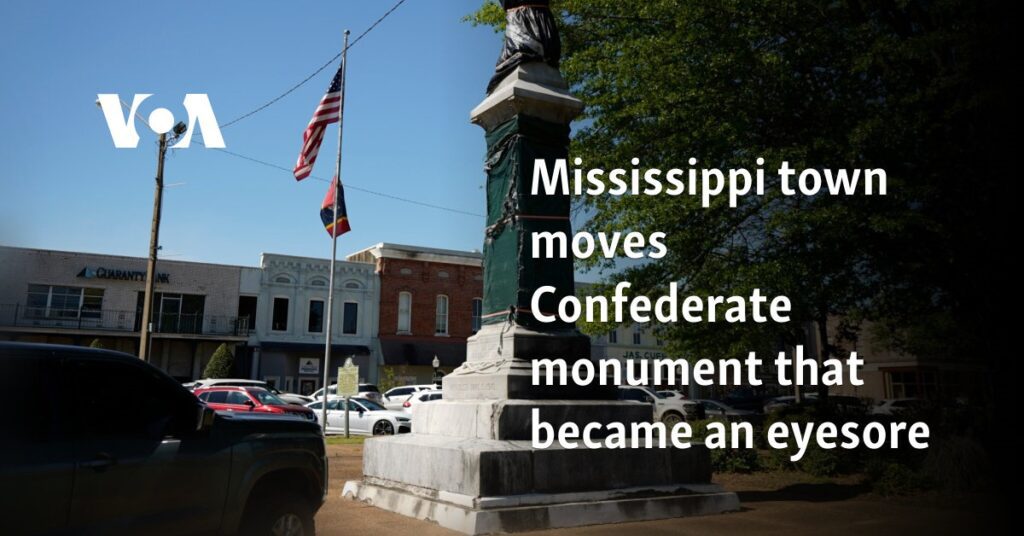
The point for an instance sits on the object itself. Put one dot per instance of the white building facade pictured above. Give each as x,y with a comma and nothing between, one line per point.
289,296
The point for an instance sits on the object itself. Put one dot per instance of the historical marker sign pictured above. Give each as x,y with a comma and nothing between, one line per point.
348,379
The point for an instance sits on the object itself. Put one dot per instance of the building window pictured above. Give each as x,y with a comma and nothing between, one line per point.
637,331
318,283
353,285
478,310
613,336
316,316
659,342
912,384
350,319
404,312
279,322
247,310
283,279
441,321
442,274
64,302
173,312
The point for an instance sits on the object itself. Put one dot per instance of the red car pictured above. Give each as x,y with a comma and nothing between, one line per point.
250,399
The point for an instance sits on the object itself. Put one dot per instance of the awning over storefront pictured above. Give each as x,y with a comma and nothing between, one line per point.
421,353
336,349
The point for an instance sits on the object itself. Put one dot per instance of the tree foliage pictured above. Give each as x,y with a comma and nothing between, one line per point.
908,86
221,363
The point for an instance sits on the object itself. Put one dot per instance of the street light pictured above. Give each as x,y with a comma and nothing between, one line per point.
163,127
437,369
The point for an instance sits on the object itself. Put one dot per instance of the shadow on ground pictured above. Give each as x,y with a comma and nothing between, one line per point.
823,492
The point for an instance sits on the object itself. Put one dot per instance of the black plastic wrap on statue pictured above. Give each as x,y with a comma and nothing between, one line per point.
530,35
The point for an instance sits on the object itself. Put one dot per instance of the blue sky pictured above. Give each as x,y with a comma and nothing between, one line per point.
411,85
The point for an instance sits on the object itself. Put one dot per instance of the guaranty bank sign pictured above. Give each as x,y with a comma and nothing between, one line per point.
123,275
161,120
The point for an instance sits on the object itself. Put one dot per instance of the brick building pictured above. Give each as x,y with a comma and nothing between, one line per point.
430,302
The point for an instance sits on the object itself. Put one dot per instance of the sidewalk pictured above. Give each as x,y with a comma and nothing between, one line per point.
773,503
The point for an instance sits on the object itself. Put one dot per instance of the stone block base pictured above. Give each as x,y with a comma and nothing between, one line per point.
483,486
490,515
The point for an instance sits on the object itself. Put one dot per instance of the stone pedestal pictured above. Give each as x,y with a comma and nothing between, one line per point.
481,486
499,366
469,464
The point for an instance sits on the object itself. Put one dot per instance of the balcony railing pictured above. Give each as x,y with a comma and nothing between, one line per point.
17,315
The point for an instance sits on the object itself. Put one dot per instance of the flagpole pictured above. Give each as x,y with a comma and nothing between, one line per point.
334,238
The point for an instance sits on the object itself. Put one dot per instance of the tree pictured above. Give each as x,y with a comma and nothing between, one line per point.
905,86
221,363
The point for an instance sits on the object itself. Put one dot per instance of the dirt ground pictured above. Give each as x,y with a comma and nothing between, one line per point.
773,503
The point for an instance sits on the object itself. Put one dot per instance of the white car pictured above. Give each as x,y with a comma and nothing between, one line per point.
396,397
667,410
420,397
365,417
368,391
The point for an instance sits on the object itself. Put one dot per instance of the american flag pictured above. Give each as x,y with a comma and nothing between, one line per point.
326,113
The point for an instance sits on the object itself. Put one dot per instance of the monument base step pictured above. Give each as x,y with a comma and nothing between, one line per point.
518,513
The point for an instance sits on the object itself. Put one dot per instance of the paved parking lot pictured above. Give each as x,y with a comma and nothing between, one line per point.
772,504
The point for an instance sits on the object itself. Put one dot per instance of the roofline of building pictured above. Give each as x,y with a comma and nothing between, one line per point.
124,257
264,254
389,250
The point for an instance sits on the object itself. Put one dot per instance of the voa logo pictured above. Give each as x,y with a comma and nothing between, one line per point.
161,120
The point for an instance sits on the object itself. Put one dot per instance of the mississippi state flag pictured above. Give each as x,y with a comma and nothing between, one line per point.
339,226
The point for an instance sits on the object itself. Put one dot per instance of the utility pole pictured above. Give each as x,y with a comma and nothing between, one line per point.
154,238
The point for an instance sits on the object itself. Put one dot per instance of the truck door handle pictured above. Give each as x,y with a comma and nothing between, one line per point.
100,462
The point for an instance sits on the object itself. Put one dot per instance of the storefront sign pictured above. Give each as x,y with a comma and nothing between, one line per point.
309,365
123,275
634,354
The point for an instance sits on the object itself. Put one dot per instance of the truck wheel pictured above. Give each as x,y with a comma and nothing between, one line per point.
383,428
280,514
671,418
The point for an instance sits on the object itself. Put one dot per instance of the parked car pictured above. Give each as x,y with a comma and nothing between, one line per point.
894,406
368,391
779,402
290,398
365,417
420,397
671,395
743,398
255,399
396,397
667,410
145,456
713,408
839,403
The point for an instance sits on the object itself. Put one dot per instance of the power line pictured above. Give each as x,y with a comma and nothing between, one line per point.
316,72
356,188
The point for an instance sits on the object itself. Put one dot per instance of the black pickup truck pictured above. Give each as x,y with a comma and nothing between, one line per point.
99,442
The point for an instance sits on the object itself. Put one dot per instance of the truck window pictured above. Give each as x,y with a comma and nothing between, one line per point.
142,406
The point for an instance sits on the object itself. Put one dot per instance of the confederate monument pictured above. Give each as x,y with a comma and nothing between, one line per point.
469,464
